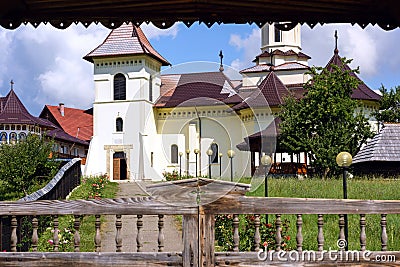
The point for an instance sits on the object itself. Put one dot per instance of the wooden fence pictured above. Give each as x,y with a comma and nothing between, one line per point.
182,198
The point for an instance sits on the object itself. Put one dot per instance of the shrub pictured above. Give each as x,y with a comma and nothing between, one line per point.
224,233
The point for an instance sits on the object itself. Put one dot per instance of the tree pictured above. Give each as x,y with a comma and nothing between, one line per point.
326,120
22,164
389,110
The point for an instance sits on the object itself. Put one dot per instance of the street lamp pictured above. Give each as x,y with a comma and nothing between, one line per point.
209,153
180,164
231,154
344,160
187,162
266,161
196,152
220,164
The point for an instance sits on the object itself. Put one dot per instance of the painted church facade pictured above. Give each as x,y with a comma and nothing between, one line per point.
146,124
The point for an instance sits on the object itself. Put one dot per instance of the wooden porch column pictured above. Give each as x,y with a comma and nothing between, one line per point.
207,238
190,235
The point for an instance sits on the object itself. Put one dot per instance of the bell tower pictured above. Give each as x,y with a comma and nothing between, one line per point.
272,38
127,83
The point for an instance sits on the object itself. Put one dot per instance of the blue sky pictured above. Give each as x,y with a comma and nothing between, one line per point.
47,67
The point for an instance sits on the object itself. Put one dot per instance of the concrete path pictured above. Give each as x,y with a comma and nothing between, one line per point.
173,236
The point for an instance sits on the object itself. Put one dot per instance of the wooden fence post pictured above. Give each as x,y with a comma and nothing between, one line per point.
207,238
190,235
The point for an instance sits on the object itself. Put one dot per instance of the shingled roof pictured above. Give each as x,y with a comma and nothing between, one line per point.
128,39
190,89
12,111
385,146
271,93
362,92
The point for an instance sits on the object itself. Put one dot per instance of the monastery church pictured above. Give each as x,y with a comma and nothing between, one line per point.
146,123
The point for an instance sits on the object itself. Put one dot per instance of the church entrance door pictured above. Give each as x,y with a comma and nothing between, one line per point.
119,166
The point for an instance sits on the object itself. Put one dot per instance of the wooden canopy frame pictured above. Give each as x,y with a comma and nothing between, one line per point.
111,13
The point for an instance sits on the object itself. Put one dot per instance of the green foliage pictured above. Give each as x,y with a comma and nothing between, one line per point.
327,120
389,105
224,233
26,166
174,176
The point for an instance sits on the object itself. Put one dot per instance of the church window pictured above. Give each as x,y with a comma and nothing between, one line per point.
174,154
22,137
119,123
119,87
214,156
13,138
278,34
3,138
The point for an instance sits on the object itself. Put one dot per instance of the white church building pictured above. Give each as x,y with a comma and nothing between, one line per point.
146,124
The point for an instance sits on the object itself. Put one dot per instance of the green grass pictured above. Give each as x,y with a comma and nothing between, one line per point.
332,188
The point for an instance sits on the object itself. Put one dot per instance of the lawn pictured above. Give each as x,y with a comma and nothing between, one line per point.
332,188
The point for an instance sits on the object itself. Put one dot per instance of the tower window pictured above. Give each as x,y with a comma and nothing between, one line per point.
119,87
119,123
174,154
278,34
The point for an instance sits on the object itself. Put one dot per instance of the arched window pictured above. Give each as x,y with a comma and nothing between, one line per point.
214,156
119,87
119,123
3,138
174,154
13,138
22,137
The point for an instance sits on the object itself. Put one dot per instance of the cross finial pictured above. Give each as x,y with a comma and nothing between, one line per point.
221,56
12,84
336,42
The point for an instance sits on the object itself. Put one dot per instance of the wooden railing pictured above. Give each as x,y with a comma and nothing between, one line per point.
197,227
66,179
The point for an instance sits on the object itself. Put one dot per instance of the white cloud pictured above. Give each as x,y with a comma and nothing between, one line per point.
250,45
372,49
152,32
63,75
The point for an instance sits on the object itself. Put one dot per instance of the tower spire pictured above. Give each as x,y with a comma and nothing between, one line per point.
336,43
12,84
221,56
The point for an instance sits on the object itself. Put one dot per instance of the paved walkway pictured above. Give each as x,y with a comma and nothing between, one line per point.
173,236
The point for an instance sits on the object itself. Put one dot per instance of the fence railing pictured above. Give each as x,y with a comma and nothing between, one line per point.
198,232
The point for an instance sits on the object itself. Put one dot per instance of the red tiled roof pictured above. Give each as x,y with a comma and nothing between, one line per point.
362,92
128,39
271,93
75,122
204,88
14,112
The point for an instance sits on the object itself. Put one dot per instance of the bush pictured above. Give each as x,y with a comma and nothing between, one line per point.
224,233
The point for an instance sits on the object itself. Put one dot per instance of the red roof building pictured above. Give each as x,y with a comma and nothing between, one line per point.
77,123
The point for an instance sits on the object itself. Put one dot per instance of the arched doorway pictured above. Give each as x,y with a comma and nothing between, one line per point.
120,170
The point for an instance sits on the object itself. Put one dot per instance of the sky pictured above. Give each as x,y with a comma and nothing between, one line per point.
46,64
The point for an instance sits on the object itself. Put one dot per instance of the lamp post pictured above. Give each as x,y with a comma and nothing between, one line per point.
196,152
187,162
209,153
344,160
180,164
266,161
231,154
220,164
